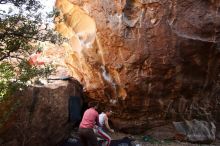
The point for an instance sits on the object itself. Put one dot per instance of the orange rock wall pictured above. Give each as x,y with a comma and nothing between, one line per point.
151,60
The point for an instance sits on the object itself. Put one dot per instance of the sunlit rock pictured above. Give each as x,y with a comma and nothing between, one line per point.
151,60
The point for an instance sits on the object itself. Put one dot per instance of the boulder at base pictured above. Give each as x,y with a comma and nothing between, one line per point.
196,131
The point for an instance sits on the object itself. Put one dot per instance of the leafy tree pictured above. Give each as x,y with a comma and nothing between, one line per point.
20,33
29,4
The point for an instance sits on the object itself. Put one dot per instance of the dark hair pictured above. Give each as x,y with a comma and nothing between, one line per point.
93,104
108,110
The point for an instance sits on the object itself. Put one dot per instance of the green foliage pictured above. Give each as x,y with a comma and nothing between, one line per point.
19,34
6,74
12,78
29,4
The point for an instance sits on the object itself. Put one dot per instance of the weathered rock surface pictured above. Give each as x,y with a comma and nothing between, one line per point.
152,60
38,116
196,131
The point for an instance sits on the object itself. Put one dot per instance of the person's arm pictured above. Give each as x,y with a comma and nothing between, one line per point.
107,125
97,120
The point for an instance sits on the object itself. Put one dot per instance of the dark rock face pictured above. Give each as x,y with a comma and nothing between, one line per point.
197,131
152,60
41,118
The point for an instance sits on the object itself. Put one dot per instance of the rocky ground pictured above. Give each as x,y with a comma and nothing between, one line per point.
139,141
154,142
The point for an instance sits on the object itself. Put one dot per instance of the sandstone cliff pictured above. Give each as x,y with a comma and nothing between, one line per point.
152,60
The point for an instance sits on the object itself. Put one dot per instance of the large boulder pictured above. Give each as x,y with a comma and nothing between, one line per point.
196,131
38,116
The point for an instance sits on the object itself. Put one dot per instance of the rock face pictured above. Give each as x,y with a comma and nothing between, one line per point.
39,116
152,60
196,131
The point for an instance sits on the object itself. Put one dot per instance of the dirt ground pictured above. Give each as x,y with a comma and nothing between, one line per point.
158,142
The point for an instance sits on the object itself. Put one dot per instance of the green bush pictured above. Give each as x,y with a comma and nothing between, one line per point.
20,34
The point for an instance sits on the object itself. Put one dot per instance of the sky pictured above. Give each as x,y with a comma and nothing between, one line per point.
47,4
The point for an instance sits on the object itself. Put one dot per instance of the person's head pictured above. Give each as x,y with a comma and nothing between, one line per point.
93,104
108,112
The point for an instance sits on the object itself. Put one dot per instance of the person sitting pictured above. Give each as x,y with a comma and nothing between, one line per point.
103,121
